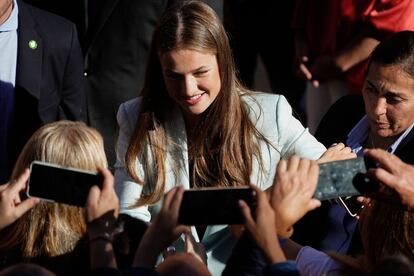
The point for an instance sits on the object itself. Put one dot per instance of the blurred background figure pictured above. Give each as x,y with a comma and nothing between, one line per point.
115,36
254,28
333,40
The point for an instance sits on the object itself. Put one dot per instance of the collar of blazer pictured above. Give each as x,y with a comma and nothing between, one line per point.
29,58
405,149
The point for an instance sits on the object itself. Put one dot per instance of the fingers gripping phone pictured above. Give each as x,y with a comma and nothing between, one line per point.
60,184
210,206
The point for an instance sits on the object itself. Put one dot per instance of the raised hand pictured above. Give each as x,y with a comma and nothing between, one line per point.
292,192
262,227
394,173
12,206
163,230
102,207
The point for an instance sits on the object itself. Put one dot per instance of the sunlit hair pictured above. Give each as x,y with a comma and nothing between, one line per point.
51,229
223,152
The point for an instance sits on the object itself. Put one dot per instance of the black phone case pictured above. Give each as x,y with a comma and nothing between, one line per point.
214,206
62,185
337,179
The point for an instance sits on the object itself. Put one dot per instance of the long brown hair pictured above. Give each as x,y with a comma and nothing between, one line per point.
386,230
223,152
51,229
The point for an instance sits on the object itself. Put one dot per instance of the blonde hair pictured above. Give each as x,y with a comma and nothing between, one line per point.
223,152
51,229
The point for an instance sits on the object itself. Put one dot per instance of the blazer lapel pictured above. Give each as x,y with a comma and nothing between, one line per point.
29,54
406,147
107,10
176,165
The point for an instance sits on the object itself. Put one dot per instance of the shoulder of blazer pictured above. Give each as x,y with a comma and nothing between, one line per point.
258,102
405,149
339,120
266,111
128,112
46,23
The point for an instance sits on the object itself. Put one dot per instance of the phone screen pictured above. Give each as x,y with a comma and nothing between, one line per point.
58,184
214,206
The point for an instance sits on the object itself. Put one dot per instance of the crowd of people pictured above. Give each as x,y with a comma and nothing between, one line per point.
193,124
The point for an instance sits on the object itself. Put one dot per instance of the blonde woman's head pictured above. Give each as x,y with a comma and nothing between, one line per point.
66,143
51,229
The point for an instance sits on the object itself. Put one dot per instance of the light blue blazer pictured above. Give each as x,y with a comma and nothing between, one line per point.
272,116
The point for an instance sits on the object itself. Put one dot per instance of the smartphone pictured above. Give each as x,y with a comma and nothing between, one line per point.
55,183
351,205
211,206
338,178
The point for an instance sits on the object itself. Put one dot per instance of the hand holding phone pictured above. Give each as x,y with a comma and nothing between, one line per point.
262,226
60,184
292,192
102,207
12,207
163,230
344,180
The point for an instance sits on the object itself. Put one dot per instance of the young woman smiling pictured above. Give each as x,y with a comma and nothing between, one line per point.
195,125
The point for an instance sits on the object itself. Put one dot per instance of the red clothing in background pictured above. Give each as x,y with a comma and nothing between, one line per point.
330,25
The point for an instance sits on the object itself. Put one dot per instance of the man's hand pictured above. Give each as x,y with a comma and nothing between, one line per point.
394,173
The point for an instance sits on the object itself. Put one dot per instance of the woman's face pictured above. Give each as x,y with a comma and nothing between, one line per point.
389,100
192,79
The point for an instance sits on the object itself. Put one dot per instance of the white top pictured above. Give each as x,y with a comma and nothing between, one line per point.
272,116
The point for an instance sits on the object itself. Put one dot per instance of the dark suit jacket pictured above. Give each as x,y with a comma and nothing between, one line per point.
115,36
48,78
335,127
116,51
